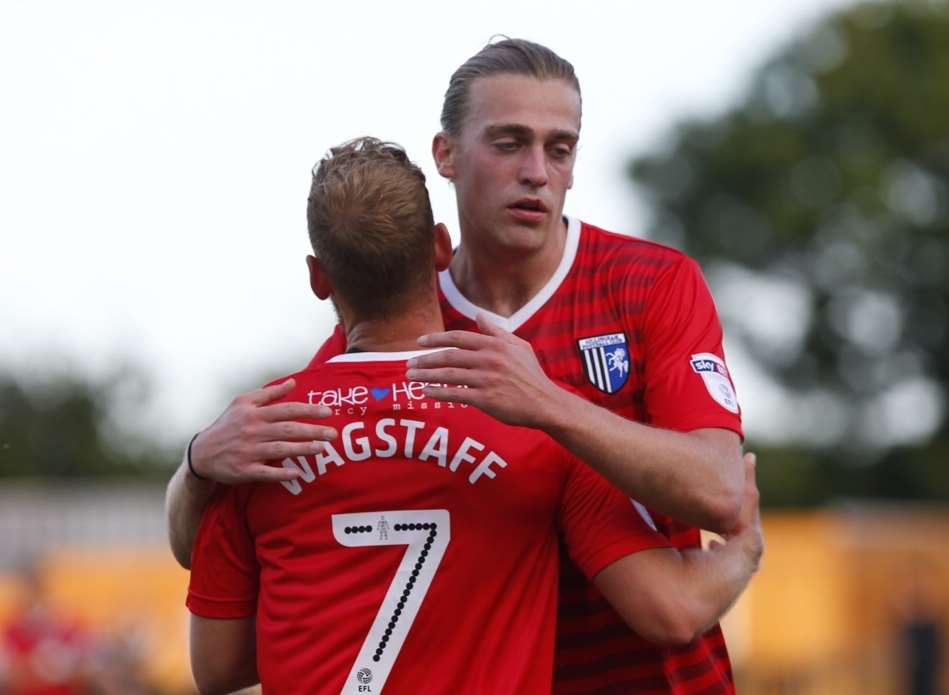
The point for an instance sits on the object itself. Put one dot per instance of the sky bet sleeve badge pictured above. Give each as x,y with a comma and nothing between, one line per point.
605,361
715,375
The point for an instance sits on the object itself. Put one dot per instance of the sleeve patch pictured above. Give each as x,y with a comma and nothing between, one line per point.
715,375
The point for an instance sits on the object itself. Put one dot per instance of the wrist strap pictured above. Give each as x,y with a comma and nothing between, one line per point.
190,465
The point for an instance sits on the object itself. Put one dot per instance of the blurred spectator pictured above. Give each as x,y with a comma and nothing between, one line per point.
43,653
922,638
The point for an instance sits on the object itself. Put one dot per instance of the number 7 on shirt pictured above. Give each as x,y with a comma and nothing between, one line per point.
426,532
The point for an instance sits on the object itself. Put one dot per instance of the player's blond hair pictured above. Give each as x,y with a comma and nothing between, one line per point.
504,57
371,224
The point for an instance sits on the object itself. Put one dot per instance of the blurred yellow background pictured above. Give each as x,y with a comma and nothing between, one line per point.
826,614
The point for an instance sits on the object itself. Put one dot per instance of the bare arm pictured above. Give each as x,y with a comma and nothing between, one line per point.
185,499
691,476
223,654
695,477
235,449
673,597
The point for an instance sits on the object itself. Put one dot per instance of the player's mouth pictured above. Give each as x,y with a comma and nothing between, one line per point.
528,210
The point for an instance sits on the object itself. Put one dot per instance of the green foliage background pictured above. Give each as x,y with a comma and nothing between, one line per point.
830,177
62,427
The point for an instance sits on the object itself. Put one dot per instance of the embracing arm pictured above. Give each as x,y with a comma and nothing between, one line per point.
185,500
691,476
694,477
673,597
235,449
223,654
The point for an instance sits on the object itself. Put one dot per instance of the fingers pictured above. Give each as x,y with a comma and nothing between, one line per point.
268,394
751,488
277,451
456,367
468,340
751,461
445,358
451,395
488,327
271,474
280,412
447,375
296,432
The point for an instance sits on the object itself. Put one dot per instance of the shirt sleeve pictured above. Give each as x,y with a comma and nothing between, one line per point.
688,385
224,569
598,524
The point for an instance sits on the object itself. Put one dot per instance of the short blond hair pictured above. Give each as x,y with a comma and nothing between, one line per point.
371,225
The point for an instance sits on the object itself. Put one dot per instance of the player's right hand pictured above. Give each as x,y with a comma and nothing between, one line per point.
253,430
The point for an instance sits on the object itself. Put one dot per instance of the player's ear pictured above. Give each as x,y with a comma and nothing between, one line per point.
319,281
443,250
443,152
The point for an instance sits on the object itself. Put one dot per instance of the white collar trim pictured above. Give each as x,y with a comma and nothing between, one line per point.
511,323
382,356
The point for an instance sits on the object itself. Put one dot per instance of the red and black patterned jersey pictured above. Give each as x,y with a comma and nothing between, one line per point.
631,325
417,554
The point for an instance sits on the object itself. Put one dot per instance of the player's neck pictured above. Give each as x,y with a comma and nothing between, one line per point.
395,333
501,281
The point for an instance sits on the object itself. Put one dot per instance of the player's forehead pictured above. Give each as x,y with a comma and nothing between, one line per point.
521,102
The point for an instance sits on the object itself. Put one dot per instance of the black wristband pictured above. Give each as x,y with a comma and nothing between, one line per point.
190,465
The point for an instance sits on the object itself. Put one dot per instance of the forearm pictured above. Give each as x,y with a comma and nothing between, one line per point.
672,597
693,477
223,654
242,676
712,580
185,500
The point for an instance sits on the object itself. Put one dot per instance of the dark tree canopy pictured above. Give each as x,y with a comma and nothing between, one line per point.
59,427
830,178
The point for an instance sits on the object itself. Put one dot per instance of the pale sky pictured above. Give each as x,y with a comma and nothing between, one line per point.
156,160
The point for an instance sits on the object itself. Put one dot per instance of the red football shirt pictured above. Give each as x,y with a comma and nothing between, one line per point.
418,553
631,325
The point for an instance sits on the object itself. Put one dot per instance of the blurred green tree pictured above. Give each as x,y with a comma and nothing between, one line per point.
61,426
819,208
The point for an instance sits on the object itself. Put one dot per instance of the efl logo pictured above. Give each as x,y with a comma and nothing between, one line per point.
605,360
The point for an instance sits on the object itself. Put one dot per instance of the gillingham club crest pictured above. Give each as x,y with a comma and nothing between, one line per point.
605,360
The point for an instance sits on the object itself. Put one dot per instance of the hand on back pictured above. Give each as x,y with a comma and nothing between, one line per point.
493,370
253,430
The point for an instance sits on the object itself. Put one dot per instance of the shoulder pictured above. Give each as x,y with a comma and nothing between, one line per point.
307,373
628,251
305,380
629,264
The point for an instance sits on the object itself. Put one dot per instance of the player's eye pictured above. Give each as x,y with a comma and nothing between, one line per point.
561,151
506,145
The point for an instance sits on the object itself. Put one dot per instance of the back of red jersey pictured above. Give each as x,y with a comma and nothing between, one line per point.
416,554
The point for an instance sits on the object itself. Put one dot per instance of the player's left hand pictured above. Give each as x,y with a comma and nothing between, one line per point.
499,370
747,533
